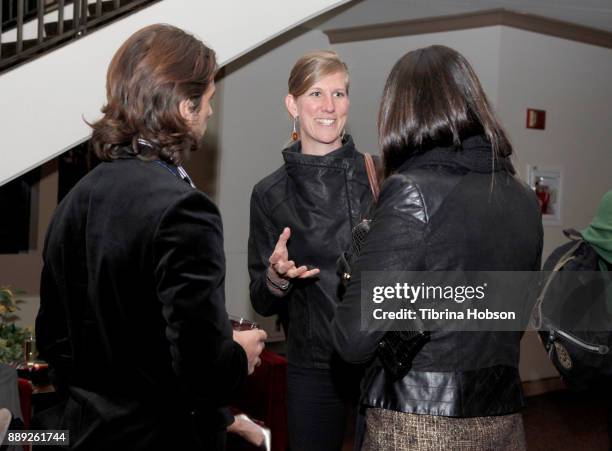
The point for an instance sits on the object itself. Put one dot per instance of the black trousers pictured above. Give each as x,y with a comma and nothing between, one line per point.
320,405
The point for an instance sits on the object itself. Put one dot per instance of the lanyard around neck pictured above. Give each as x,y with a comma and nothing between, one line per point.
177,171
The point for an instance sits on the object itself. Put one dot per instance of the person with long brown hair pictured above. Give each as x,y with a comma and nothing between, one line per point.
132,317
301,220
450,202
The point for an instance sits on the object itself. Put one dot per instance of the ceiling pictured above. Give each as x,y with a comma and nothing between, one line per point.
591,13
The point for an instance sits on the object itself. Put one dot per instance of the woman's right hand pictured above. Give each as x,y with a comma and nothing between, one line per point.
284,268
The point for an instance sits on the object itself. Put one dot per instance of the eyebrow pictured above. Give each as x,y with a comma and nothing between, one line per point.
334,89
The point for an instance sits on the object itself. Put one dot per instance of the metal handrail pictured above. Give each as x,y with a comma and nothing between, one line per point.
84,21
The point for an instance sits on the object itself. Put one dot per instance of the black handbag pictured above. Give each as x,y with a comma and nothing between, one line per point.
582,357
397,349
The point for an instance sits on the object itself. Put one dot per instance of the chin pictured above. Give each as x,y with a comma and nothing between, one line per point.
329,139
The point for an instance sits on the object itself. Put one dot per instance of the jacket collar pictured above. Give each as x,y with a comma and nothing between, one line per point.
340,157
475,154
127,153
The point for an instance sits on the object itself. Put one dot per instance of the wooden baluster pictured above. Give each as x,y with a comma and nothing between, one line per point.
76,16
60,17
19,45
0,30
40,12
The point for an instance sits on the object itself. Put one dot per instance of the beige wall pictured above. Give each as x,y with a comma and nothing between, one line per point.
22,271
571,81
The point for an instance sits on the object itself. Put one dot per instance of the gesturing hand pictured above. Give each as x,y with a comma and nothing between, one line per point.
282,266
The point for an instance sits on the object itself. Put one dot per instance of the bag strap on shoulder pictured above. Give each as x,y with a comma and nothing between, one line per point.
568,256
372,177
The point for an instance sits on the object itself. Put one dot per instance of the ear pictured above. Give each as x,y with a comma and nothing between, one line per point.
186,110
291,105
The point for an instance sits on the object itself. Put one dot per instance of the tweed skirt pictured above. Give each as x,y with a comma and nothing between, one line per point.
391,430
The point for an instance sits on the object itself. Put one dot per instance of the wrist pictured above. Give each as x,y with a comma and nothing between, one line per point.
277,282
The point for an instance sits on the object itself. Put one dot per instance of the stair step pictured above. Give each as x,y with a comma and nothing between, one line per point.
51,29
10,48
107,6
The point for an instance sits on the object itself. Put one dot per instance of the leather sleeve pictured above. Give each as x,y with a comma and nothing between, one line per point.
262,239
395,243
189,267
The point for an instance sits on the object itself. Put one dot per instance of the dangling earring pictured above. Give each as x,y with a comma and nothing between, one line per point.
294,134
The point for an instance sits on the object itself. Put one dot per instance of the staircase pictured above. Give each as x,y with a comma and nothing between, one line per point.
55,66
51,23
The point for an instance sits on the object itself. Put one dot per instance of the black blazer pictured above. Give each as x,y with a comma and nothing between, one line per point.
132,317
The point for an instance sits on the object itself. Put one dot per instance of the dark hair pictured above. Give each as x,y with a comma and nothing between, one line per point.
312,67
151,73
433,98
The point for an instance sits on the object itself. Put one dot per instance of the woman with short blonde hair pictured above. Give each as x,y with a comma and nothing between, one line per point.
301,220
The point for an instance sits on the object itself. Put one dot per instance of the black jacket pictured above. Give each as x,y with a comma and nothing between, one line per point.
447,209
320,199
132,316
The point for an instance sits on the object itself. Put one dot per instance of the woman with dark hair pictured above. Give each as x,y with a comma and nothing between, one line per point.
132,316
450,201
301,220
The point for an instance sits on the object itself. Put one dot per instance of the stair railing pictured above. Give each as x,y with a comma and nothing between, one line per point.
87,15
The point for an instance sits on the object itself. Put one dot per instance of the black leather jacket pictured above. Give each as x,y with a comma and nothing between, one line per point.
447,209
320,198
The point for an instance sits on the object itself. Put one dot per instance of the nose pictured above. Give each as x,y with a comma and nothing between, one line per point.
328,104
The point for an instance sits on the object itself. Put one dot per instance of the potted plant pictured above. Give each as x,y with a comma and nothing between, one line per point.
12,336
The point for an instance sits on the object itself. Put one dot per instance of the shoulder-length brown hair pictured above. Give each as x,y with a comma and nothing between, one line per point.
151,73
433,98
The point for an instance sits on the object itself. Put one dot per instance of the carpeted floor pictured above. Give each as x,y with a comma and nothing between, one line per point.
565,420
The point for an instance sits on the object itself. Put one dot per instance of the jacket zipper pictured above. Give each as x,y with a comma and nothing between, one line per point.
599,349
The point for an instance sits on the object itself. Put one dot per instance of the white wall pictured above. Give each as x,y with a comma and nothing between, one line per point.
572,82
370,62
44,102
